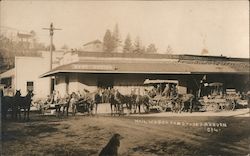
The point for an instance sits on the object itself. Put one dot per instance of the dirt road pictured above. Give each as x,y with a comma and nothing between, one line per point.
81,135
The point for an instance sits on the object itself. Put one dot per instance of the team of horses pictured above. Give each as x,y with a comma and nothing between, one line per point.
15,104
133,103
89,102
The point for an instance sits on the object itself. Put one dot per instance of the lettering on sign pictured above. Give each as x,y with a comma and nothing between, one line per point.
93,67
210,127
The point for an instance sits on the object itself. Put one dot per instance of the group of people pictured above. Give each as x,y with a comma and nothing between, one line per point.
169,90
57,99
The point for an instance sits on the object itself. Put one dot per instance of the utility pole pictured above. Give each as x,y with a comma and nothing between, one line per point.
51,33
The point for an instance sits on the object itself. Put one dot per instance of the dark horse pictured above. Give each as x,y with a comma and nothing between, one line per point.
97,100
86,103
119,100
183,102
24,102
6,102
189,102
10,102
113,102
64,103
142,100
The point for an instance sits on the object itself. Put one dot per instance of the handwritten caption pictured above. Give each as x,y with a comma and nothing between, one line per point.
210,127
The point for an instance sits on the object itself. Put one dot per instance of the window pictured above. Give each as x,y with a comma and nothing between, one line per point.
30,86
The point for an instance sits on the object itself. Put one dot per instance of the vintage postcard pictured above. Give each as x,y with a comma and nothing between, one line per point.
129,78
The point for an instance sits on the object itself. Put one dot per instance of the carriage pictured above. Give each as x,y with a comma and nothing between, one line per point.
240,99
162,98
215,99
84,105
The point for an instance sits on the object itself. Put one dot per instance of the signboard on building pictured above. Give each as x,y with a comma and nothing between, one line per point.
93,67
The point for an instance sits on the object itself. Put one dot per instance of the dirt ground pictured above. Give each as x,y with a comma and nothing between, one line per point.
143,135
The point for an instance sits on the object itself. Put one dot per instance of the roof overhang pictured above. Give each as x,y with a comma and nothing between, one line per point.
53,73
8,74
142,67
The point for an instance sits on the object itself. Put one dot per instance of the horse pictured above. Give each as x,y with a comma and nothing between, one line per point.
25,104
183,102
6,104
64,103
11,102
176,104
142,100
113,103
119,100
87,102
188,102
151,93
98,98
14,105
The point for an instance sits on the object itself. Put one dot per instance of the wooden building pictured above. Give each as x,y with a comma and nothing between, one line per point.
88,70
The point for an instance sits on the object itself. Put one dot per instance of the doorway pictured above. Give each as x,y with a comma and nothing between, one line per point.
105,81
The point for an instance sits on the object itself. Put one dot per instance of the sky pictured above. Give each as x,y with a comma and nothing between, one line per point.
221,27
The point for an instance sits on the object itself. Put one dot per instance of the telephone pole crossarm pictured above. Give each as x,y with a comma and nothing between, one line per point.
51,33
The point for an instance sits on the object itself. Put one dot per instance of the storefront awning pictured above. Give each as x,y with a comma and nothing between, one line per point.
146,67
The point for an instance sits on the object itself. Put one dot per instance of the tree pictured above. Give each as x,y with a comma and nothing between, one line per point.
116,37
151,49
143,50
34,37
169,50
35,45
9,48
53,47
127,48
137,45
65,47
204,51
108,44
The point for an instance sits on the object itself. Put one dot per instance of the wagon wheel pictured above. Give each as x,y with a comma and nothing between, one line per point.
162,105
230,105
174,106
212,107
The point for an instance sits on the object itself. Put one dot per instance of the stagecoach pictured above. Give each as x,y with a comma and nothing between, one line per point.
161,101
216,99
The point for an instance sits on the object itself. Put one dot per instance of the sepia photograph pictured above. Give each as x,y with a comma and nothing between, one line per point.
124,78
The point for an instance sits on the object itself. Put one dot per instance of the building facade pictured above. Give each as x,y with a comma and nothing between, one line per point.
127,72
78,71
26,75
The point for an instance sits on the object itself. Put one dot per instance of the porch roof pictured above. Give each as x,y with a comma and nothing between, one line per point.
8,74
142,66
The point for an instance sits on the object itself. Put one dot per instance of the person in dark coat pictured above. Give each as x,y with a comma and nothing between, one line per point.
111,149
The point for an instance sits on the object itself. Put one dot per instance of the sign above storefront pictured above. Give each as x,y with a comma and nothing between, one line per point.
93,67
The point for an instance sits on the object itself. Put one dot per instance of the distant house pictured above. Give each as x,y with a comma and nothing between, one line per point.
25,40
26,72
93,46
